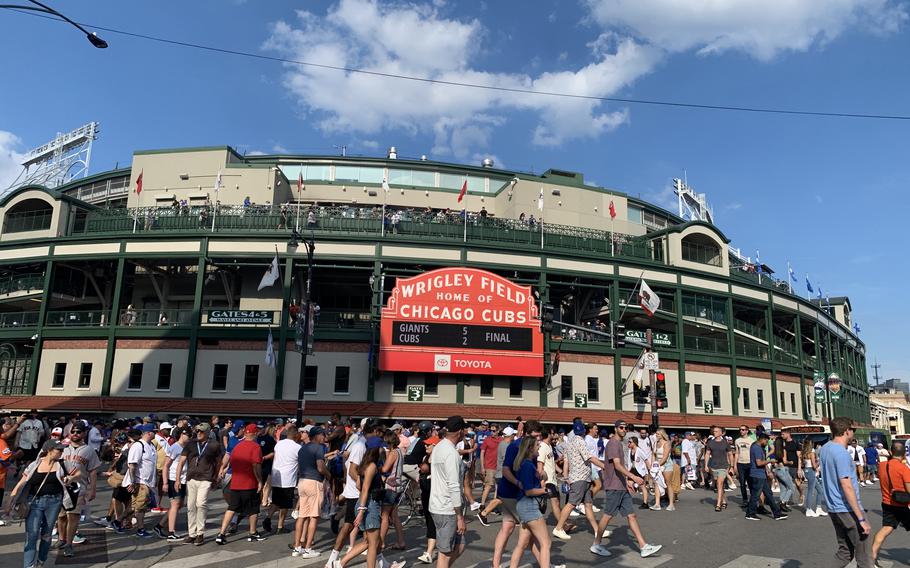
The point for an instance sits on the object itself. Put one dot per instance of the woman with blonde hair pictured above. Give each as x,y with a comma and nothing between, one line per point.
663,457
815,496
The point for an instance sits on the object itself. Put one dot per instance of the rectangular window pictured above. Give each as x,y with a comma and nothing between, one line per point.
634,214
760,399
783,403
486,386
135,381
593,389
85,375
342,380
251,378
431,384
164,377
59,375
792,402
309,379
400,383
219,378
747,404
698,397
515,385
565,388
715,396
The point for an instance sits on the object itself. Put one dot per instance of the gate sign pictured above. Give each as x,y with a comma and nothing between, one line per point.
415,393
461,320
834,386
581,400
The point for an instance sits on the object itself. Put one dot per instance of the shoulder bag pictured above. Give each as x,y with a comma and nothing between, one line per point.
899,497
72,489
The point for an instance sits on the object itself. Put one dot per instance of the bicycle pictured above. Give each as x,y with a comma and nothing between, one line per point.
407,503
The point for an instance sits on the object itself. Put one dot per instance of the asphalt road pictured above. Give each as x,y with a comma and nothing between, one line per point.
692,536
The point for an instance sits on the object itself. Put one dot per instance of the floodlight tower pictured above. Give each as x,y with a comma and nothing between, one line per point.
64,158
692,206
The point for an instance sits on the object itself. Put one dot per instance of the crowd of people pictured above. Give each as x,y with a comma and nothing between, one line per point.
354,474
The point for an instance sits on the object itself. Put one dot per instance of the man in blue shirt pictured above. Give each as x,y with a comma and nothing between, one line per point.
758,481
841,487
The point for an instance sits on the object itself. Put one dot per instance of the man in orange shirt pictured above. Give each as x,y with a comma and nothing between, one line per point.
893,475
7,456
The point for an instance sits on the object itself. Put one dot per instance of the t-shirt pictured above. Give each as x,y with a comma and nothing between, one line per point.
897,478
307,457
756,452
143,454
578,455
82,459
642,455
743,444
505,489
480,437
718,449
613,480
545,456
95,439
355,456
689,449
591,442
173,452
245,455
446,469
285,464
30,433
489,450
6,455
501,456
267,446
792,450
202,460
528,477
836,464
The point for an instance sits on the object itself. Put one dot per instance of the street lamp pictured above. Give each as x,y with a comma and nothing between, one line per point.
92,37
307,308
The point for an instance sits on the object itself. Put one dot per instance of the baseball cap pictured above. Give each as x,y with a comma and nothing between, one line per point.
432,440
508,431
57,430
455,423
183,417
308,428
578,427
52,445
619,423
375,442
396,427
146,428
315,431
202,427
165,426
251,429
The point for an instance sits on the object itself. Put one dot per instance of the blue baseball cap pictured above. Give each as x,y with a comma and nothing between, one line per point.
375,442
146,428
578,427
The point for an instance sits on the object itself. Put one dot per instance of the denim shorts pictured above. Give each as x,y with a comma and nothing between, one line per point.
373,515
528,510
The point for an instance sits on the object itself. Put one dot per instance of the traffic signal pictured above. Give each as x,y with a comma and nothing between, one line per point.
660,381
546,317
619,335
640,395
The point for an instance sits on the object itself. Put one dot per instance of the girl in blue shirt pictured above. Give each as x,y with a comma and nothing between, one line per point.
533,523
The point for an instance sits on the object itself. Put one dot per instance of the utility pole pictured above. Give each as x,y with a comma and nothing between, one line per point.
876,366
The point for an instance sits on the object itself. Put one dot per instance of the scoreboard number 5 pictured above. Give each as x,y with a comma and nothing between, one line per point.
464,335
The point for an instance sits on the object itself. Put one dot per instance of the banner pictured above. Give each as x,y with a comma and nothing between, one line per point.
834,386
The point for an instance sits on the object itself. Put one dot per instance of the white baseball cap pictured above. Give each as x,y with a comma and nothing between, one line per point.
508,431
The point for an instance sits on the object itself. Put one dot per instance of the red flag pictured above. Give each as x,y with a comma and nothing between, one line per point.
464,189
139,183
299,182
612,211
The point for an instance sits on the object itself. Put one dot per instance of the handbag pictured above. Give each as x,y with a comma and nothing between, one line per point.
115,480
72,489
899,497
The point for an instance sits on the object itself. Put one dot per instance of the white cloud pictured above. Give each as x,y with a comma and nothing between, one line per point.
761,28
10,158
279,149
418,41
255,153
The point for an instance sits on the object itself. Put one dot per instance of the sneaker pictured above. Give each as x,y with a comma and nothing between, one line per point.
157,510
649,549
142,533
309,553
644,506
78,538
599,550
267,524
2,523
811,513
594,508
820,513
172,537
200,540
189,539
575,513
68,550
483,520
475,505
561,534
221,539
752,518
296,551
256,537
159,531
728,489
671,507
654,507
399,564
606,533
425,558
781,517
103,521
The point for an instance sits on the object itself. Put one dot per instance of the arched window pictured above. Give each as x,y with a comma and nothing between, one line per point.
28,215
702,249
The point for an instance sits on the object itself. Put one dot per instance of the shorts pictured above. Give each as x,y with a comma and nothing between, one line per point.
488,478
311,495
283,497
122,495
390,498
579,492
172,493
141,499
447,537
894,517
618,503
552,491
509,508
350,510
373,516
595,473
244,502
719,473
528,510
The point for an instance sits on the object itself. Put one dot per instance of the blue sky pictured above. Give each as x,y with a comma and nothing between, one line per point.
827,194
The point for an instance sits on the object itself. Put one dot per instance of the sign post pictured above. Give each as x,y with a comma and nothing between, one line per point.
415,393
581,400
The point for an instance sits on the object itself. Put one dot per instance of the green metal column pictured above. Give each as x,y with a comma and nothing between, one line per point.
802,379
769,325
377,290
731,339
42,311
819,365
680,345
283,321
544,384
196,320
615,309
112,329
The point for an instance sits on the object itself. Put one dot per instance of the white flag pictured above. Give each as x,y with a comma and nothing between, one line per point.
218,182
540,200
647,299
271,275
270,358
385,185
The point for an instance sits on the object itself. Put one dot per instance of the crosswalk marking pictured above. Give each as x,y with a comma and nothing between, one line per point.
633,559
215,557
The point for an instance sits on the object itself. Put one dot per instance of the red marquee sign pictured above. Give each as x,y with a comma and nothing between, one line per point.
461,320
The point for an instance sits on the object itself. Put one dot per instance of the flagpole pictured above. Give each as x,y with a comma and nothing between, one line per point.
541,218
789,277
464,211
629,299
136,214
384,194
299,180
612,238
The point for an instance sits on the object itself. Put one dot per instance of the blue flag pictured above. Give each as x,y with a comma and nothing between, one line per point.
809,285
856,328
792,275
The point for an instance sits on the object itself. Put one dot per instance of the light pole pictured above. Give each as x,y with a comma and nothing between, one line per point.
91,36
307,317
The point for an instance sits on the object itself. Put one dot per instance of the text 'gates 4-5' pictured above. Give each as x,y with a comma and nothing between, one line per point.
461,320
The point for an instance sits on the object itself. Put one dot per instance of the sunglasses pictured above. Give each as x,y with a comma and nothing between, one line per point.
621,427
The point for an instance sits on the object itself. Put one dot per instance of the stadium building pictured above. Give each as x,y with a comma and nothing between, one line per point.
120,300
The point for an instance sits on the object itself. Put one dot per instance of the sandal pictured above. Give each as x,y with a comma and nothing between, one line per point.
717,509
723,506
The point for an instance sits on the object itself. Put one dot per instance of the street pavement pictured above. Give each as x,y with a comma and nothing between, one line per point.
692,536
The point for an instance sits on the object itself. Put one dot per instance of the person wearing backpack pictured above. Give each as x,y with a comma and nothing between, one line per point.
393,470
894,482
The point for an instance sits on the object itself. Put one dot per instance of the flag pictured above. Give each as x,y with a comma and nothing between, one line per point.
612,211
819,294
809,285
300,181
555,367
271,275
218,183
647,299
385,187
792,274
540,200
139,183
270,359
856,328
464,189
758,262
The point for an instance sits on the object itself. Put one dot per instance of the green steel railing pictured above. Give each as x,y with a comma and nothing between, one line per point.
155,318
27,221
21,283
706,344
18,319
77,318
751,350
696,311
748,328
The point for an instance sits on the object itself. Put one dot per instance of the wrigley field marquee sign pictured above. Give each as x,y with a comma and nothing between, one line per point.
239,316
461,320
